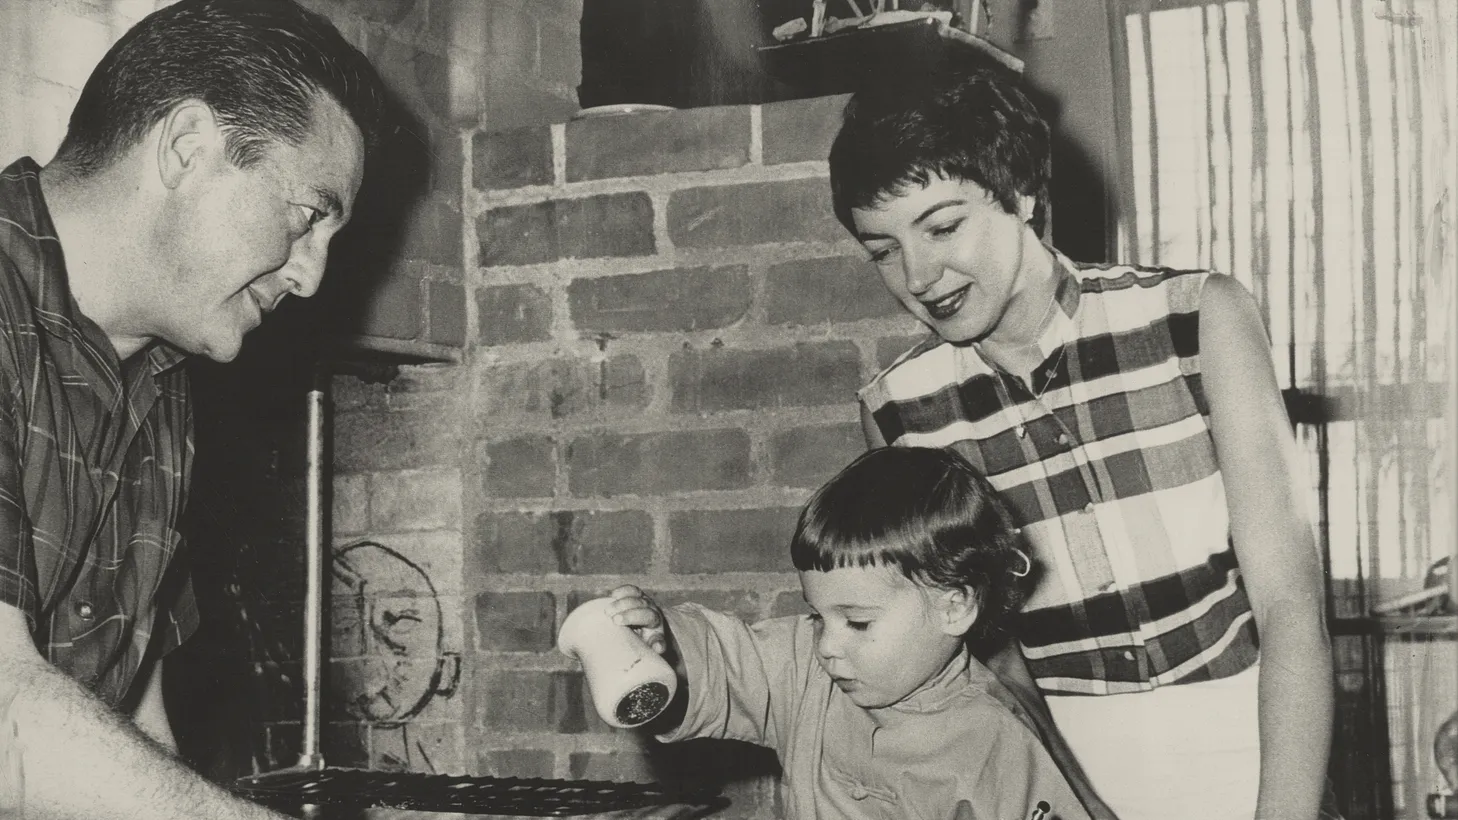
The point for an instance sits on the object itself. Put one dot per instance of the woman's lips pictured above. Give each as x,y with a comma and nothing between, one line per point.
947,306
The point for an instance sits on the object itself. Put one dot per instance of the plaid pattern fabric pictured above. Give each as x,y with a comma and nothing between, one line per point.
94,459
1113,479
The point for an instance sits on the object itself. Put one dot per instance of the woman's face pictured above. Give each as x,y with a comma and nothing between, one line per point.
950,253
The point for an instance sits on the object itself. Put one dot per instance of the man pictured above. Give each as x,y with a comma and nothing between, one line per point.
212,155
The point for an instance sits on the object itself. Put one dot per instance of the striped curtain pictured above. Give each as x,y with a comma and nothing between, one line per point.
1308,148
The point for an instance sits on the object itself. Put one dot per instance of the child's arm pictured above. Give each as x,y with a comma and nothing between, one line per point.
735,681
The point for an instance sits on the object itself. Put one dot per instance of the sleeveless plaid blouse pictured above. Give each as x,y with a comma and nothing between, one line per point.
1111,473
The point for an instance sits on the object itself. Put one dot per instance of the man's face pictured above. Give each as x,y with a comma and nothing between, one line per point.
949,253
246,238
878,635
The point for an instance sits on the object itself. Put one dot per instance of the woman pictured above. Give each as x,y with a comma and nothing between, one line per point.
1131,418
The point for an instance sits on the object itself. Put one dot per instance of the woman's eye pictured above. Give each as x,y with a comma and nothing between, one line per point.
947,228
879,255
859,626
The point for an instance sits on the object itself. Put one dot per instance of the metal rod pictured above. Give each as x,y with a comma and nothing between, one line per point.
315,548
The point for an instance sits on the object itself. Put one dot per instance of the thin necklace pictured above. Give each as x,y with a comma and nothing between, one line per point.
1022,426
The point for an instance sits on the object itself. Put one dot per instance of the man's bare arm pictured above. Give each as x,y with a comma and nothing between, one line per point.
83,761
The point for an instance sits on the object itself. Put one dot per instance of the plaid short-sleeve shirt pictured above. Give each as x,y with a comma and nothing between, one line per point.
94,460
1108,463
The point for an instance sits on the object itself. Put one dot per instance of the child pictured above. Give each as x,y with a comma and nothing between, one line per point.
873,701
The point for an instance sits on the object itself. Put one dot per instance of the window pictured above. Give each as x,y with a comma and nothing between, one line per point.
1307,148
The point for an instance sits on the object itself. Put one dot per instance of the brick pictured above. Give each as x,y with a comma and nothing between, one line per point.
415,500
698,139
835,289
445,313
625,765
510,314
512,159
432,233
524,467
889,348
607,225
803,375
658,463
511,36
420,747
746,605
789,603
346,624
563,388
427,379
581,542
732,540
559,47
515,762
679,300
809,456
393,309
418,565
444,157
530,701
369,440
350,505
801,130
511,100
756,213
418,78
343,744
516,621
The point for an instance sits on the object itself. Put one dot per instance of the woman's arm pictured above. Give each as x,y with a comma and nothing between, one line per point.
1275,547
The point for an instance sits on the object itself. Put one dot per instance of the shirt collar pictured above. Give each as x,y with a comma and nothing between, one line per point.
37,249
1062,327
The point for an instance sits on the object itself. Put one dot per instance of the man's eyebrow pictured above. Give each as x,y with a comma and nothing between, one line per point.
332,204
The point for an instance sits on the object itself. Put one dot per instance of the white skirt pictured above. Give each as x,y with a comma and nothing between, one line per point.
1191,751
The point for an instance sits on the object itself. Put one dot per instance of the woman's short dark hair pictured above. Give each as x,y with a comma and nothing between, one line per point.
968,121
926,512
259,64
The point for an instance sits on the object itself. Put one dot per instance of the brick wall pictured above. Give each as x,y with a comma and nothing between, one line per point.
666,330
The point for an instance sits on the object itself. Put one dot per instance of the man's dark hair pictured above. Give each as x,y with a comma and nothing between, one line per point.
929,514
967,121
259,64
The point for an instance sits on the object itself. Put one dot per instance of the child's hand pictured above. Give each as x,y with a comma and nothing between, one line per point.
632,608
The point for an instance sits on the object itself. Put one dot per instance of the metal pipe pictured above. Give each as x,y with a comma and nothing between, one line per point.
315,549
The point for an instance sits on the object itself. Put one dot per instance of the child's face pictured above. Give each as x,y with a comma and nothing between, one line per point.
949,253
879,636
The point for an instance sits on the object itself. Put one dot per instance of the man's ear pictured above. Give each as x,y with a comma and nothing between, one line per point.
958,610
187,135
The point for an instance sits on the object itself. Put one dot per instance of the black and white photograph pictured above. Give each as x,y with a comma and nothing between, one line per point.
729,409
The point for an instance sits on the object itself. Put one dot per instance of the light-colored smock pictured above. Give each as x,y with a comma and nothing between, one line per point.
962,737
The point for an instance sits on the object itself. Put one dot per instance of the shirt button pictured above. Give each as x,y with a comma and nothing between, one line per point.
1128,655
84,610
1062,438
1088,508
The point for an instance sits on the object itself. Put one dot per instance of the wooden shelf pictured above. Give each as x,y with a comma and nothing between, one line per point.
838,63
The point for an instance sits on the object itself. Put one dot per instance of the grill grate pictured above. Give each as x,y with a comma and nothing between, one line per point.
519,796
